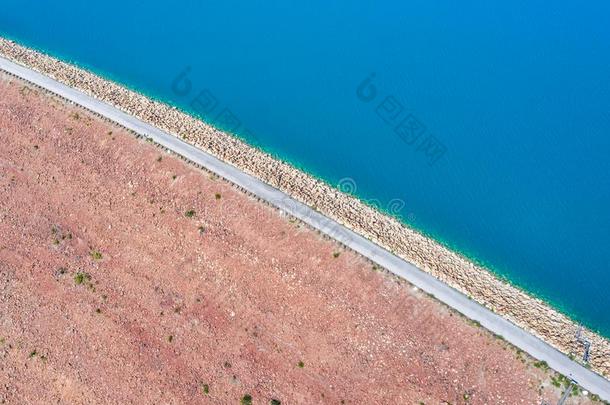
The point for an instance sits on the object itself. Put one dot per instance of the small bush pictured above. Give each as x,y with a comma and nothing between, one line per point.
217,196
81,278
336,254
300,364
541,364
559,379
275,402
189,214
205,388
96,255
246,400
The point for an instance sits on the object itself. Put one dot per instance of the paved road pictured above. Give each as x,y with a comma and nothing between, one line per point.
496,324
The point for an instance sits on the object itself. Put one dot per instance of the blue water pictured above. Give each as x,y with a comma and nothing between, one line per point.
507,156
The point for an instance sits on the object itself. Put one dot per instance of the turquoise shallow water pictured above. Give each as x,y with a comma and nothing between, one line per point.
491,122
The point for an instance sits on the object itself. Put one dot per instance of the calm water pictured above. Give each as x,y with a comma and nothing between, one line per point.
516,95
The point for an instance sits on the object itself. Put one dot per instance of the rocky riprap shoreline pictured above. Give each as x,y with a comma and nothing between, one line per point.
475,281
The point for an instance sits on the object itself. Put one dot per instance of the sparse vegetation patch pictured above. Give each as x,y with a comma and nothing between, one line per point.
541,365
81,278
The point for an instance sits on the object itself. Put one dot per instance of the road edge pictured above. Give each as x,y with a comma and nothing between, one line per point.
496,324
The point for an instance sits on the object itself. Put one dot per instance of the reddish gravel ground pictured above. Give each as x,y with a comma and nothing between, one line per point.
130,276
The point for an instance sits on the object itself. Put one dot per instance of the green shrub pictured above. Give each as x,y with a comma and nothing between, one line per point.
81,278
541,364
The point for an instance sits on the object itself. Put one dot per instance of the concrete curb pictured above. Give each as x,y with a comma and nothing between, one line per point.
451,297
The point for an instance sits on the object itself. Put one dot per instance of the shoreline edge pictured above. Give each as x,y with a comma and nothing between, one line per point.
445,274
